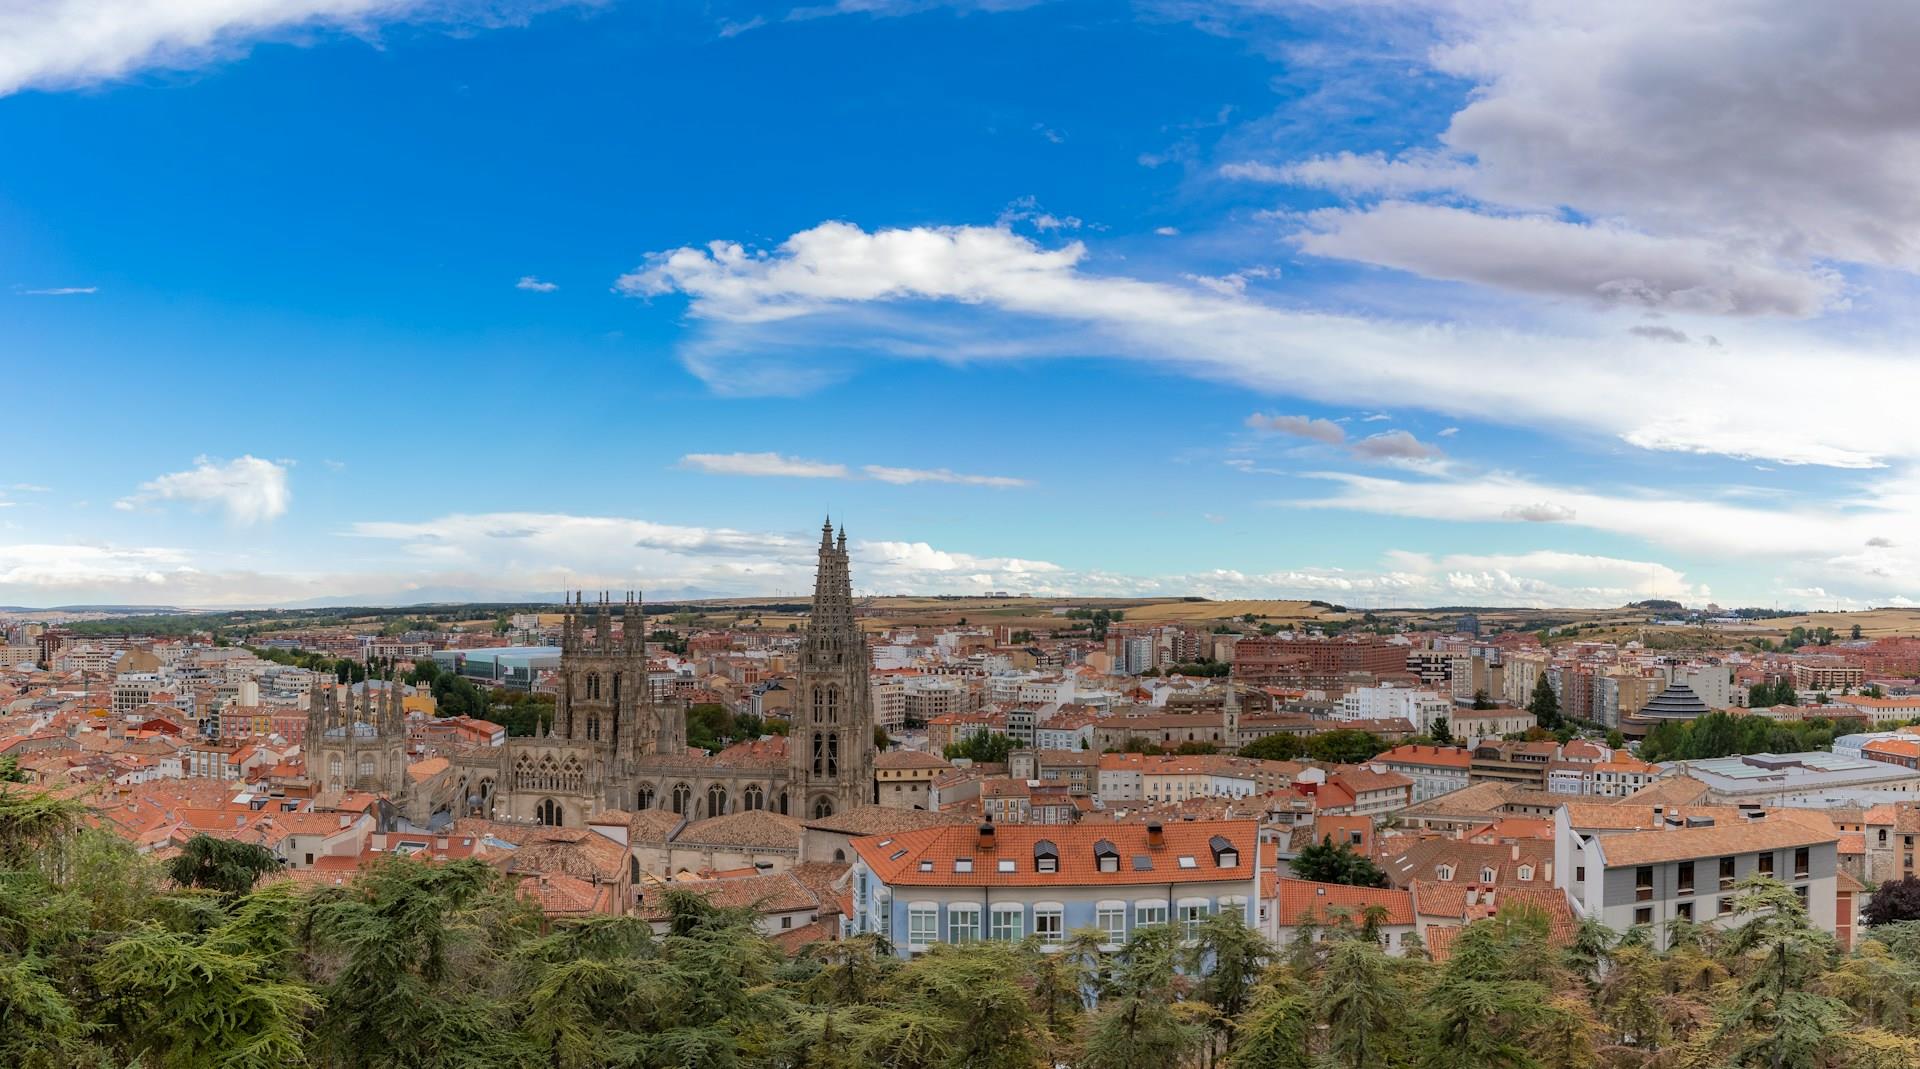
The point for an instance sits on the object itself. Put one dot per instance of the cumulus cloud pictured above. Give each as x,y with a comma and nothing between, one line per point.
535,285
762,464
1537,254
836,285
1320,430
250,490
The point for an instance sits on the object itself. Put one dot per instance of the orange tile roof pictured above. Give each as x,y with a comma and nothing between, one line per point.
1679,844
1311,898
897,859
1430,756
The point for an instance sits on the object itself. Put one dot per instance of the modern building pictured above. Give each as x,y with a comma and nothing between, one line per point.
1434,770
961,884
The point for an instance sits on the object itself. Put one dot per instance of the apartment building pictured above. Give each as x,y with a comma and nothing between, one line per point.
962,884
1433,770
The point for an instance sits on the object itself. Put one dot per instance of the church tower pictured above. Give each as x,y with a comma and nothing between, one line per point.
830,746
359,742
603,700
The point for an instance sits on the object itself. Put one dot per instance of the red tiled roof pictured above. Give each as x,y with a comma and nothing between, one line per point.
1311,898
897,859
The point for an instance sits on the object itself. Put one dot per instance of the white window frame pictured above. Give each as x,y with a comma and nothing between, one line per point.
1004,933
923,923
1148,911
1057,913
1110,917
964,921
1189,912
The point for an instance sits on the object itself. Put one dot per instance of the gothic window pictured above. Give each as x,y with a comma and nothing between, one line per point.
523,774
833,755
819,754
682,794
753,797
822,807
616,688
833,705
593,727
593,686
783,803
333,770
716,800
572,775
645,800
548,812
819,706
366,766
547,777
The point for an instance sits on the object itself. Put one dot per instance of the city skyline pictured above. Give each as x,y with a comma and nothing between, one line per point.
1402,304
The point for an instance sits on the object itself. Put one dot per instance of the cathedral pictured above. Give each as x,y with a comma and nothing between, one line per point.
611,746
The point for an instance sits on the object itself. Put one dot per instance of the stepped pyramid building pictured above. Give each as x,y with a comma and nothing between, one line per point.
611,746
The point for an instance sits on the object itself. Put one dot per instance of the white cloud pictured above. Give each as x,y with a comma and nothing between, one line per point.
762,464
1167,231
1772,131
249,489
1320,430
1598,262
38,566
1540,512
1447,432
1394,445
62,291
1233,284
534,285
848,280
30,488
56,44
775,464
903,476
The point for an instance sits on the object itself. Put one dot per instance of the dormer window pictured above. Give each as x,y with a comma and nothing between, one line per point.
1445,873
1105,857
1046,857
1486,875
1225,854
1526,872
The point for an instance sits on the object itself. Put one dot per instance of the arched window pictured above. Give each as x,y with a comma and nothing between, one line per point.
366,766
633,868
616,688
819,754
593,727
783,803
833,754
548,812
839,857
833,705
822,807
593,686
753,797
333,769
645,798
716,800
682,794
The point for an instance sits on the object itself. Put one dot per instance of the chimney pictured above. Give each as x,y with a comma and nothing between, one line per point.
1156,835
986,837
1515,855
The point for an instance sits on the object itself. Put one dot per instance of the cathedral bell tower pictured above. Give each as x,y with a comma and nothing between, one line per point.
830,745
603,700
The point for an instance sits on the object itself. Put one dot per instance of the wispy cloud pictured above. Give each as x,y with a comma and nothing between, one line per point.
534,285
61,291
782,466
250,490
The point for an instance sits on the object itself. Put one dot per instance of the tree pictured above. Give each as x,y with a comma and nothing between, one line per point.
1275,747
1331,862
1442,733
1545,705
1854,632
1615,740
227,866
981,747
1894,901
1481,700
1345,746
1362,1005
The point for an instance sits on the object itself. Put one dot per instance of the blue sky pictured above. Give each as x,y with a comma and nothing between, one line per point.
1393,304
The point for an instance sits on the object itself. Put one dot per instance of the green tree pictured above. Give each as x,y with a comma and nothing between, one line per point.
981,747
227,866
1481,700
1545,704
1361,1002
1441,731
1275,747
1331,862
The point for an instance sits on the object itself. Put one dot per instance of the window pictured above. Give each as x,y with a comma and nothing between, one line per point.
963,924
1526,873
1726,877
963,864
1684,911
1111,919
1445,873
1105,857
1049,922
1192,912
1005,865
1187,862
1145,913
1726,906
1006,922
1643,883
1684,878
1579,874
1643,915
923,923
1802,863
1046,857
1486,875
1766,864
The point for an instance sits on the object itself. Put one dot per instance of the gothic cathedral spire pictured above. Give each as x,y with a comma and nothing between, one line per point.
830,749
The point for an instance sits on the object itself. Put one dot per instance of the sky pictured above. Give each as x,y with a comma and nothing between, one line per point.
1382,302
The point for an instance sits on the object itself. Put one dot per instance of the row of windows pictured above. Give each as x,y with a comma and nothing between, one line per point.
1684,873
1010,922
1685,910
